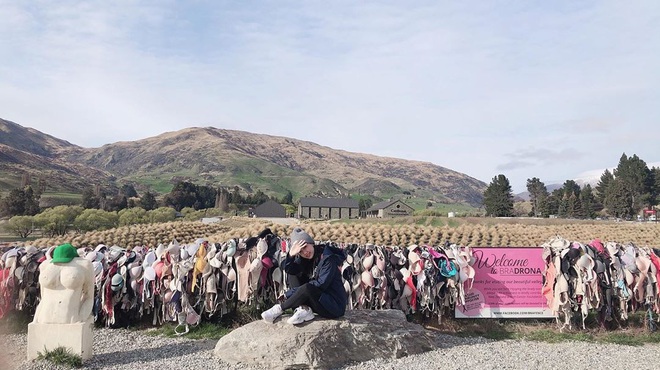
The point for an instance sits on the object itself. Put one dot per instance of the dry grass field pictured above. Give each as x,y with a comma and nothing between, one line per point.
476,231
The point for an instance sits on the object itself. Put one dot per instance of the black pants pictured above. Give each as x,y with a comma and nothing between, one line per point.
295,281
307,295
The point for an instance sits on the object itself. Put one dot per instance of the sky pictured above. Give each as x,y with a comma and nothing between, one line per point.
546,89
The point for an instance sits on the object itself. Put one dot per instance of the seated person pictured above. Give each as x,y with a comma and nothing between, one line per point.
324,293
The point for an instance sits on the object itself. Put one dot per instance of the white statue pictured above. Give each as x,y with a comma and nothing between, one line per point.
67,288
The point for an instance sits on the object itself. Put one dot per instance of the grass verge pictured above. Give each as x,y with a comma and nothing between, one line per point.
632,334
201,331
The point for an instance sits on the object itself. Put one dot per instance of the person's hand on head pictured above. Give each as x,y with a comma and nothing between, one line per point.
297,247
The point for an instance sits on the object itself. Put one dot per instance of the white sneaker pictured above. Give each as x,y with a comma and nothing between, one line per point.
272,313
301,315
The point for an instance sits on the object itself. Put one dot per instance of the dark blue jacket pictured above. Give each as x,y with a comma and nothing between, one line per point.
329,280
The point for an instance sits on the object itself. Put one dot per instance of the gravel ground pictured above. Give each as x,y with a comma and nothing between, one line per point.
124,349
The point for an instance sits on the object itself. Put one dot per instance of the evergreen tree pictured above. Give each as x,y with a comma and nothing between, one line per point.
552,203
117,203
573,206
184,194
89,199
236,197
287,198
205,197
538,195
21,202
588,201
148,201
498,197
128,190
655,173
601,188
618,199
31,202
570,206
258,198
636,177
14,203
562,205
42,185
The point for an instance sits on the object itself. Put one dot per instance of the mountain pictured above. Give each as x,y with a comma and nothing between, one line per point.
28,151
231,158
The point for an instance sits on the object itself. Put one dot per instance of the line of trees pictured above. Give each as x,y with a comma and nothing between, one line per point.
60,220
25,202
631,187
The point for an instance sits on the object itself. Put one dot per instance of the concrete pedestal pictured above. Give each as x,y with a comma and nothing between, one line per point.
46,337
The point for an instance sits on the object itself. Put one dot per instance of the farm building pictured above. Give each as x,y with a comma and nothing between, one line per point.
270,208
389,208
328,208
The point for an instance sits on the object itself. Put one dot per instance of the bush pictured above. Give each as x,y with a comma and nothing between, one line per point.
57,220
61,356
96,219
132,216
162,214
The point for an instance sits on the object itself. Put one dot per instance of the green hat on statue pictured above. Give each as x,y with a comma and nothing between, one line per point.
64,253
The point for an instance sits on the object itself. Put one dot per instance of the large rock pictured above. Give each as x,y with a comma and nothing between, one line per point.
360,335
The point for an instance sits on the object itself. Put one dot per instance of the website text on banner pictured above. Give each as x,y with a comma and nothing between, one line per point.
508,285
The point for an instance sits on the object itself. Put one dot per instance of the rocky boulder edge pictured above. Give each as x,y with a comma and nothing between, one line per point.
360,335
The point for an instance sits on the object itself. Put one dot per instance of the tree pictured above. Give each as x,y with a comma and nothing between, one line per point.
162,214
117,203
569,205
236,197
148,201
132,216
588,202
205,197
655,173
21,202
184,194
31,201
89,198
58,220
601,188
538,195
14,204
498,197
258,198
131,203
287,198
552,204
364,204
128,190
22,226
222,200
42,185
96,219
618,199
636,177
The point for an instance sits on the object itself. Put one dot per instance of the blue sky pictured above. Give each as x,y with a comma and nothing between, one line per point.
542,89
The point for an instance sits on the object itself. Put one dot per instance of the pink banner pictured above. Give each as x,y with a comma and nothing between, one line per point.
507,284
